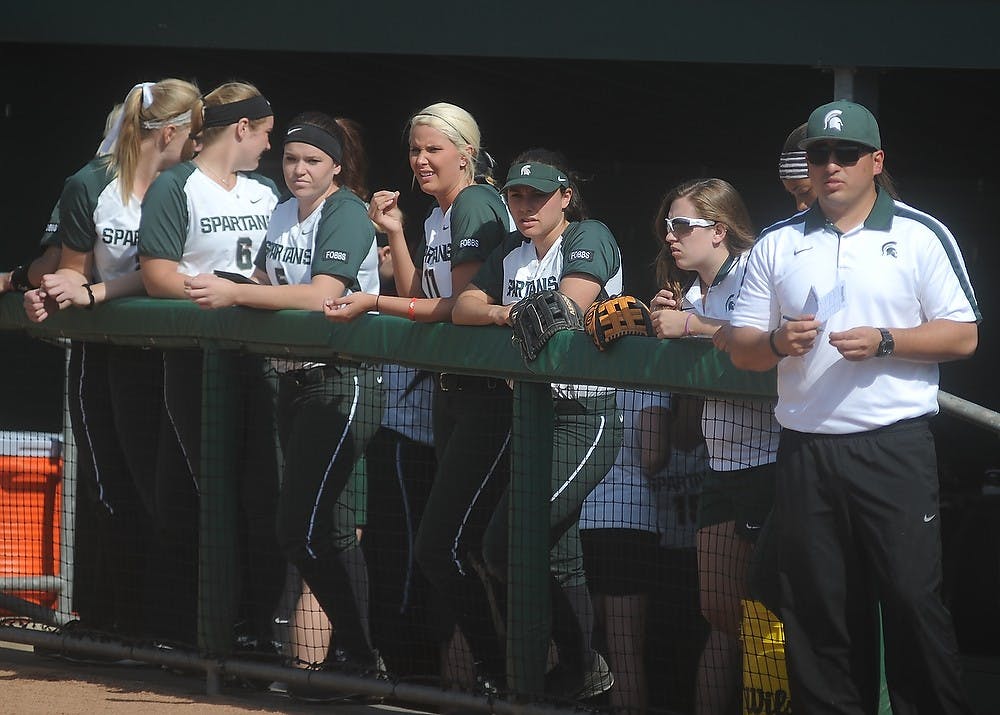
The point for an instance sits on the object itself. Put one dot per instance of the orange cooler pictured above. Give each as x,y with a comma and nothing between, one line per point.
30,508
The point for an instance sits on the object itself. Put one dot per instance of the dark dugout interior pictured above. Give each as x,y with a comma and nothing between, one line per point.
633,128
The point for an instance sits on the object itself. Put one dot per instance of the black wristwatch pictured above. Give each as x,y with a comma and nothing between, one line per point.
886,345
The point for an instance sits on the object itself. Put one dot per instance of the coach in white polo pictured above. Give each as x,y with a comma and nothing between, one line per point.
856,300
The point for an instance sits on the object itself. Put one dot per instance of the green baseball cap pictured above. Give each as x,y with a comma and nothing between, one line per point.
540,177
842,121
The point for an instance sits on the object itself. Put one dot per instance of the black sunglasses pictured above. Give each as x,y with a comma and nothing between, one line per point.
843,153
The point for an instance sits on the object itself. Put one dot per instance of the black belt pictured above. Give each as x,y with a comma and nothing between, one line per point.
314,375
568,407
453,382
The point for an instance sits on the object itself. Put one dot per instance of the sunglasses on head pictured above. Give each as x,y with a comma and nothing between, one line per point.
682,225
843,153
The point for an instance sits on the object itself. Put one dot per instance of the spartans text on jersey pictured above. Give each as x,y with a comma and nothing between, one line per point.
122,236
211,224
519,289
287,254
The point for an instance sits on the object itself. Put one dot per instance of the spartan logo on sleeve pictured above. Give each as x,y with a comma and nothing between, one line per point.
213,224
120,236
287,254
520,289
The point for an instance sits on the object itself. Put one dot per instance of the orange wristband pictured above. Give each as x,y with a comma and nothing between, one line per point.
411,312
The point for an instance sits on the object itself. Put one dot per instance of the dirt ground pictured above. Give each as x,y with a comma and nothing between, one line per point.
30,685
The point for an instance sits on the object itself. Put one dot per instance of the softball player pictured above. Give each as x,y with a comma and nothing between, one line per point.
471,415
96,226
319,243
707,232
211,214
580,258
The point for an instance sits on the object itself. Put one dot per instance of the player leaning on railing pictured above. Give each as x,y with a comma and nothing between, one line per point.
112,387
319,244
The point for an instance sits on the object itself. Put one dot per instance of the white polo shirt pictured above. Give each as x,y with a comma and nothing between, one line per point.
739,433
901,268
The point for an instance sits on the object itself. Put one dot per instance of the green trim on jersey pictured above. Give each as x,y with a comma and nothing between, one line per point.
51,228
78,203
479,222
948,245
344,237
588,247
478,213
164,226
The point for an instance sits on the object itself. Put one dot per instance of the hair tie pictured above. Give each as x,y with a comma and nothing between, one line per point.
111,138
147,94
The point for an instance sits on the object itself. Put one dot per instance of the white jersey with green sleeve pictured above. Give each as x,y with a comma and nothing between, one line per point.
94,218
337,239
188,218
514,271
469,230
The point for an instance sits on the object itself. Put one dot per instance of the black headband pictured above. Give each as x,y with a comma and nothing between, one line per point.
222,115
317,137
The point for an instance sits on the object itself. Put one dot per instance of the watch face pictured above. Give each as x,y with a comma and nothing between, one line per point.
887,345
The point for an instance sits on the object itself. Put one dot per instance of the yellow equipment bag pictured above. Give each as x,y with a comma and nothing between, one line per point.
765,677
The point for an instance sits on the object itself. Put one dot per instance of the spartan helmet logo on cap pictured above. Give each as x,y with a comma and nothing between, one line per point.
833,121
526,170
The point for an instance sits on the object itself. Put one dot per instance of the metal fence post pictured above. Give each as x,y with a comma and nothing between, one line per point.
529,605
217,550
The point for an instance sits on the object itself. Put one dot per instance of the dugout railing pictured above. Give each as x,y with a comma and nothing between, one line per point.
684,366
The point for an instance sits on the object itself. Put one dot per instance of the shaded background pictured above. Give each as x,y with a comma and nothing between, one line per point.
638,97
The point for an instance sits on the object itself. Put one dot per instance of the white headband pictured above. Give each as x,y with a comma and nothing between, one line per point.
112,136
180,120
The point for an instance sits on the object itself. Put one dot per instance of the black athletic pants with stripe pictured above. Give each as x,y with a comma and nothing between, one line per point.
326,417
587,436
406,622
860,528
113,394
472,420
262,568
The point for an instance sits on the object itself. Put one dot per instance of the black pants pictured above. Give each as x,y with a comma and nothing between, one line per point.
407,624
113,523
262,568
326,416
859,521
472,421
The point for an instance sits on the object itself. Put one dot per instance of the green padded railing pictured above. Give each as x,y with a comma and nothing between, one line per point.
690,366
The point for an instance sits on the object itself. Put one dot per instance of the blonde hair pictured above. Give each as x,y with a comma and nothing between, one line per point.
227,94
171,98
456,124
